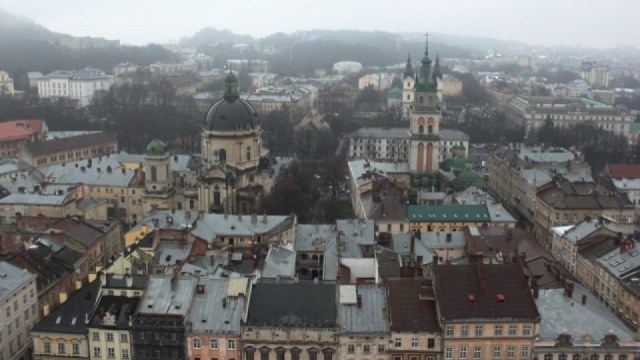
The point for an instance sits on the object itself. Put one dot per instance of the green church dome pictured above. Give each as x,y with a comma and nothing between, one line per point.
156,147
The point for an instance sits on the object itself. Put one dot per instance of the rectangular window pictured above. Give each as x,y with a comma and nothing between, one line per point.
449,331
213,344
496,352
511,352
95,336
124,338
431,343
497,330
380,349
111,352
231,344
463,352
525,352
513,329
47,347
448,353
414,342
75,348
526,330
464,330
351,349
96,351
478,330
398,342
109,337
62,349
477,352
196,343
366,348
125,353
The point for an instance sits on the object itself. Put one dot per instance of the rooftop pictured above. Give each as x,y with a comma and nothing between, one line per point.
561,314
364,310
69,318
280,262
486,292
12,278
213,310
412,307
114,312
448,213
167,295
293,305
54,146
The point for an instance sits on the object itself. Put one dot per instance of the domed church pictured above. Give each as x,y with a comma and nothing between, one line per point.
235,167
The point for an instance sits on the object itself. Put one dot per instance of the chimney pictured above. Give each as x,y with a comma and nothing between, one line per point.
103,278
264,218
584,300
128,280
624,246
200,289
536,292
254,218
568,289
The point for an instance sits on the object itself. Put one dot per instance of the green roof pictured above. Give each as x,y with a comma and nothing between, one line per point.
454,162
468,176
156,147
448,213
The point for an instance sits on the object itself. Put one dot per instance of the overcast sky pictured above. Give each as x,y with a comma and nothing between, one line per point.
594,23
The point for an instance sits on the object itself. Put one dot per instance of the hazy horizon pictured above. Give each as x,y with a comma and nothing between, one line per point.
576,23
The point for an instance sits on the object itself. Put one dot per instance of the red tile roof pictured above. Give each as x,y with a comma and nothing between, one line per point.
20,129
411,305
619,171
462,296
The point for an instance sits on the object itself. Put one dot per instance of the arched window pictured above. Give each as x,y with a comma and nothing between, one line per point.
154,173
216,196
248,153
222,156
408,97
430,129
421,129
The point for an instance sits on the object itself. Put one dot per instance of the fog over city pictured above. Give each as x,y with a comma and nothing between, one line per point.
585,23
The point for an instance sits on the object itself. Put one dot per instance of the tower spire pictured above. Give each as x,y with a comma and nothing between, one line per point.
437,73
426,48
408,69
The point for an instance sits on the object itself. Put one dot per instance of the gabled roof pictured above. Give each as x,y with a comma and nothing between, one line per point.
412,307
619,171
484,292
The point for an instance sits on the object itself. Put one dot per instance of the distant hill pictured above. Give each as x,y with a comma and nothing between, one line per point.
27,46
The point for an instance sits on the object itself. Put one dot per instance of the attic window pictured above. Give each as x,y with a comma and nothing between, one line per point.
471,298
500,298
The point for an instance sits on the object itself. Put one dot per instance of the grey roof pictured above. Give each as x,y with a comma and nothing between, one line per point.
169,252
453,135
280,262
167,295
8,166
12,278
620,264
358,168
105,171
353,234
535,177
315,237
577,232
438,240
34,199
368,318
293,305
213,311
402,243
561,314
381,133
545,155
211,225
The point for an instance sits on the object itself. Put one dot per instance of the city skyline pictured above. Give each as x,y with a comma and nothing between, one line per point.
544,23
